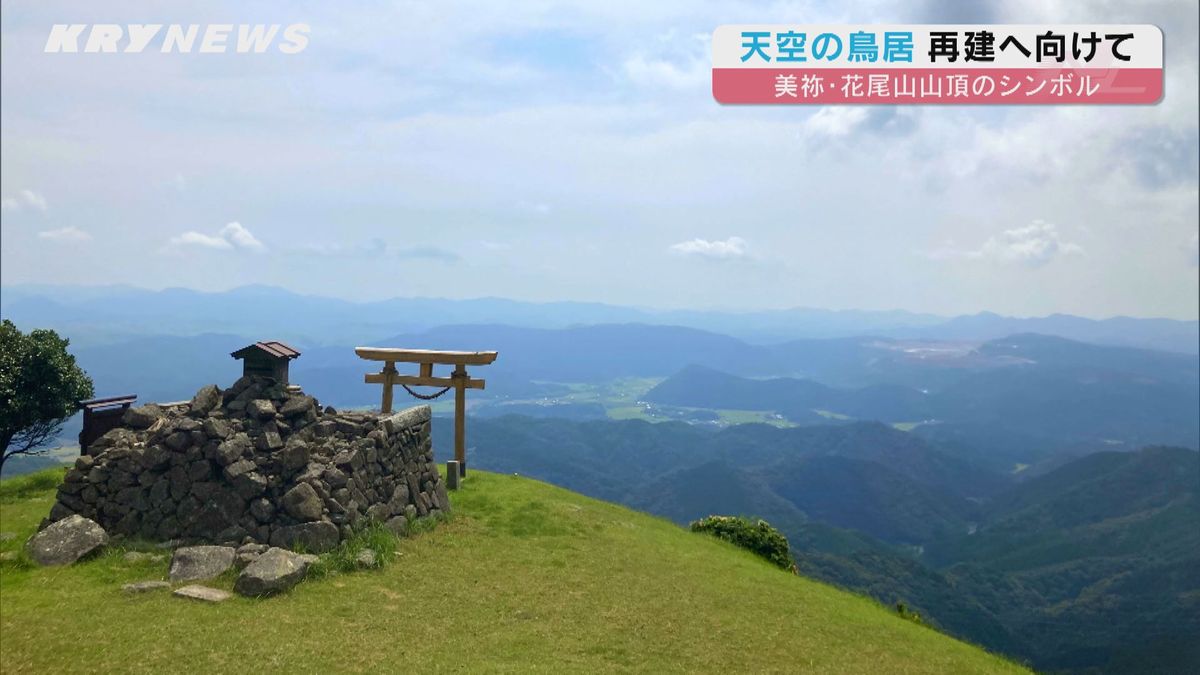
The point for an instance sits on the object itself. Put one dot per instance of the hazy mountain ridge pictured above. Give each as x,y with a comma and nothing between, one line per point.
258,310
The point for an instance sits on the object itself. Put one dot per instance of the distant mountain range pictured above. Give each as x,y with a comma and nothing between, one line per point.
108,313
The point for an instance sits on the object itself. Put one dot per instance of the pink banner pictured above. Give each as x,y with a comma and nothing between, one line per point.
932,86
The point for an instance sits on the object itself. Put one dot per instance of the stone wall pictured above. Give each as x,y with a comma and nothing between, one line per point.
255,463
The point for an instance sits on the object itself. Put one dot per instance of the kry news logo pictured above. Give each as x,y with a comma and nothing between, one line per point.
214,38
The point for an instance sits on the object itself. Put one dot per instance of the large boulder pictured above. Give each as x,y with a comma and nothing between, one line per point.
206,400
142,417
272,572
197,563
302,503
297,405
66,541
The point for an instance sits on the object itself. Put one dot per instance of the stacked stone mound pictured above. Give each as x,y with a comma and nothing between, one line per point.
255,463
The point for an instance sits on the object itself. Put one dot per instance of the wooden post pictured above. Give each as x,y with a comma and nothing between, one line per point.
389,377
460,418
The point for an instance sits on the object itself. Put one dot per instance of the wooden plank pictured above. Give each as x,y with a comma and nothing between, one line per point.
425,356
111,400
426,370
417,381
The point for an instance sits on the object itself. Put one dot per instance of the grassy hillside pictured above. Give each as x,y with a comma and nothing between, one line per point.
525,577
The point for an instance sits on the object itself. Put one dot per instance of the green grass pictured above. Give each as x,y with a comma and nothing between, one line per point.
630,412
524,577
751,417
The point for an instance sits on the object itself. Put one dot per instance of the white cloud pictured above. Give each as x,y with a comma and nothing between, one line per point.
65,234
192,238
376,248
1032,245
241,237
232,236
34,199
1194,250
24,198
733,247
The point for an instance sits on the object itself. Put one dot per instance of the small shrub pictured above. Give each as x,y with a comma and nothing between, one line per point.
906,613
757,537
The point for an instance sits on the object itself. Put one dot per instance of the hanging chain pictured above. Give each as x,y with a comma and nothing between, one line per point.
424,397
429,397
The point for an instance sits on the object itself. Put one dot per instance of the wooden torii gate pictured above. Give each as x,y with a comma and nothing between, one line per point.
459,381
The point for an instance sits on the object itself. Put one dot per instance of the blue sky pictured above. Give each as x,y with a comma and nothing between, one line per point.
551,151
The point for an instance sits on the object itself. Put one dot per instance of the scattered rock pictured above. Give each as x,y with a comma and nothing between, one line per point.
248,553
66,541
202,593
366,559
7,536
144,586
272,572
8,556
197,563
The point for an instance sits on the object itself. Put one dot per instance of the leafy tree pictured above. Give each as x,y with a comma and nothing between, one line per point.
39,388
